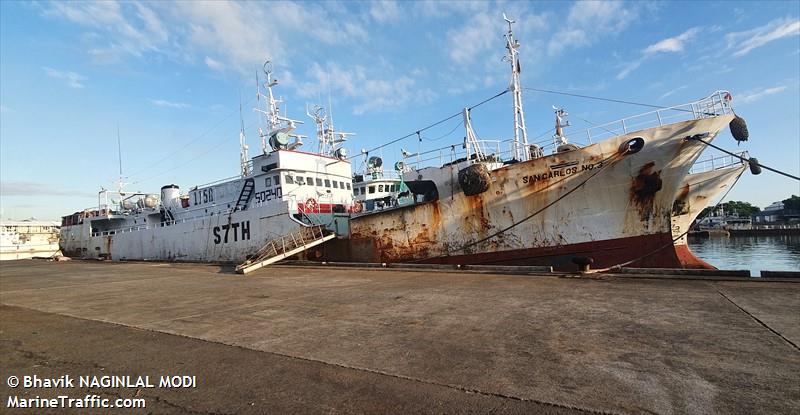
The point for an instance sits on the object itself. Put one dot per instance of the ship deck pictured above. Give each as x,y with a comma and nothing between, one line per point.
294,339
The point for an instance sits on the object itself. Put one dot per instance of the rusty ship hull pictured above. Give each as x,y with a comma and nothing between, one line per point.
595,202
697,192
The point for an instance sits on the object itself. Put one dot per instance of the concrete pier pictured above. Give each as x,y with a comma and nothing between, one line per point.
297,339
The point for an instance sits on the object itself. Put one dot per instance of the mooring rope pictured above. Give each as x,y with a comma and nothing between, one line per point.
619,101
750,161
417,132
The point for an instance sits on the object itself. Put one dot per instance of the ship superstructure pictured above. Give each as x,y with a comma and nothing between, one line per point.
278,192
376,189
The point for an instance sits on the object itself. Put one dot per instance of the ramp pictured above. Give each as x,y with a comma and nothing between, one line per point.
285,246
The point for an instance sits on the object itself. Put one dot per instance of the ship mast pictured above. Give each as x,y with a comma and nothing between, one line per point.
330,140
243,157
521,153
559,139
279,127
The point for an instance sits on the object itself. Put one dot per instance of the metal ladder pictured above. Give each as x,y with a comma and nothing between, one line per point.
245,195
285,246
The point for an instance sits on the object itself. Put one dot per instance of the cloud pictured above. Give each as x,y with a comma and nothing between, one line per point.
748,40
588,21
368,92
755,95
384,10
671,92
670,45
630,67
124,28
236,33
673,44
168,104
73,79
13,188
231,32
477,35
214,64
443,8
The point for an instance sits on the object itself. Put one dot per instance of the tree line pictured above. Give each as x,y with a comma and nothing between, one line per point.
745,209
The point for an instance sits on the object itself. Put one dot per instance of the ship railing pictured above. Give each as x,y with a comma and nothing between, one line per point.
495,150
305,218
716,104
718,162
452,153
385,174
227,179
158,225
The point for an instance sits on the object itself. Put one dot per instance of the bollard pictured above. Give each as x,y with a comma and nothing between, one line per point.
583,263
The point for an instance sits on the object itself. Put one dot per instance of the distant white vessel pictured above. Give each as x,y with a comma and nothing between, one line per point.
375,189
293,197
28,239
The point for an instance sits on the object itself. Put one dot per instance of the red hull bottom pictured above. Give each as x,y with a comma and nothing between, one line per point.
648,251
689,260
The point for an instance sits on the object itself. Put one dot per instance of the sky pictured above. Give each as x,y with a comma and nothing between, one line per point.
170,78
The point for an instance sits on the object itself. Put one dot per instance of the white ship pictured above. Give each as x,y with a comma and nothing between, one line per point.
28,239
375,189
284,195
707,181
609,201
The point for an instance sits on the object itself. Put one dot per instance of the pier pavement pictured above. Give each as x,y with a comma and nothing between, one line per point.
291,339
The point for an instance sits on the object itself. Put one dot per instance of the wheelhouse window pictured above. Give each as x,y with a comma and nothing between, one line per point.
335,184
319,182
372,189
380,188
348,186
268,182
277,180
310,180
327,183
289,179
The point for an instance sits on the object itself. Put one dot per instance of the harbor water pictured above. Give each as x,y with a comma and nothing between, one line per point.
756,253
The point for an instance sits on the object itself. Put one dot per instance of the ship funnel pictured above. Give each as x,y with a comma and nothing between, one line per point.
170,194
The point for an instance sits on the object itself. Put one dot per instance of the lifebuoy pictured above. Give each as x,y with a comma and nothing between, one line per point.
311,205
357,207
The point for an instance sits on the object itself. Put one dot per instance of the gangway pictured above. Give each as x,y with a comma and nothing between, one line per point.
285,246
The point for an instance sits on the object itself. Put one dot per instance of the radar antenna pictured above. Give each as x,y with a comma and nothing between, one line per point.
330,140
278,127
